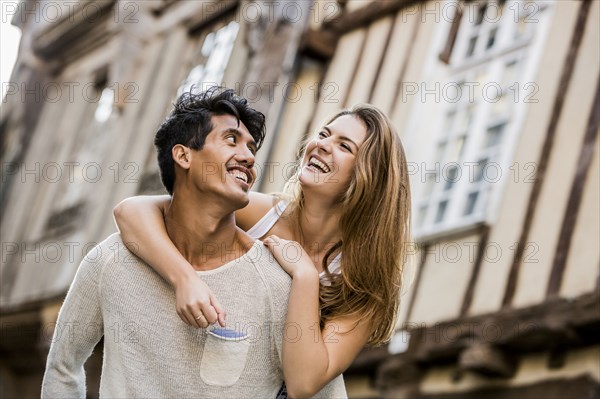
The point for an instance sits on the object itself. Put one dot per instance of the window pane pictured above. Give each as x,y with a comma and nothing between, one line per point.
422,214
501,104
464,121
440,151
491,38
457,149
509,77
105,105
481,14
471,48
449,123
451,177
480,169
441,211
211,59
494,135
471,202
429,184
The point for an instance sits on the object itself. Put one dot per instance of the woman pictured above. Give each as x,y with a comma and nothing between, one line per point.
347,219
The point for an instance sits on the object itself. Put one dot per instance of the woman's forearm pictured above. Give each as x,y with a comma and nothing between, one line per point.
142,226
141,223
313,357
305,356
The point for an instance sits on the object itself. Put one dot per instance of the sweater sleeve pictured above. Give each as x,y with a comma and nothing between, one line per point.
78,329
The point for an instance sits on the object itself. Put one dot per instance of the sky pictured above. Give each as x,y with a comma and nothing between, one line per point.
10,37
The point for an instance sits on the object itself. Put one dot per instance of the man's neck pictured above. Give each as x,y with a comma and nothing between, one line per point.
204,232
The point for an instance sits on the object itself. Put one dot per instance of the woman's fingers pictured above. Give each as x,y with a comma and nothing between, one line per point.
196,304
188,319
221,316
201,321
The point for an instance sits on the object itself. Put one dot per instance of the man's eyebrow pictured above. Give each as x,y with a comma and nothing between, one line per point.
238,134
342,137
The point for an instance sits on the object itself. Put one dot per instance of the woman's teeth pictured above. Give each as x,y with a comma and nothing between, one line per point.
318,164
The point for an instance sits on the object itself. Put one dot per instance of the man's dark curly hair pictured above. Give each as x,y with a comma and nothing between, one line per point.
190,122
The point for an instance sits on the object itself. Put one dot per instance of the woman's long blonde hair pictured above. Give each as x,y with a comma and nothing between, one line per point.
375,229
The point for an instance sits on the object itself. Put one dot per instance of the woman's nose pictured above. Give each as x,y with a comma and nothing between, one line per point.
324,144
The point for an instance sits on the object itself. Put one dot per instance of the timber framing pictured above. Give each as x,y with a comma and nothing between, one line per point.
572,210
468,298
368,14
564,83
88,28
489,344
321,43
578,387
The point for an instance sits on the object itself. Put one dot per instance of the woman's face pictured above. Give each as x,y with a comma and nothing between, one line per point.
329,159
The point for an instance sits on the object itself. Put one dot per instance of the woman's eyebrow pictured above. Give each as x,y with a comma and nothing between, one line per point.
342,137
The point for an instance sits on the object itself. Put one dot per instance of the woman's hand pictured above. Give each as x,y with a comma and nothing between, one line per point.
142,226
196,304
291,256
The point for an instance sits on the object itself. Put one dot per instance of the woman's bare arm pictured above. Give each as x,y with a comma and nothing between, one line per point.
141,223
317,356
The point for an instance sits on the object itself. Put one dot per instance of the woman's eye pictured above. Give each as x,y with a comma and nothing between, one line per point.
322,134
346,147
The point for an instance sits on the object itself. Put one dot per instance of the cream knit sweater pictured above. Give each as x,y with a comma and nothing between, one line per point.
149,352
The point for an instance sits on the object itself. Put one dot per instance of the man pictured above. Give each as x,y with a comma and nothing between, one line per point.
206,154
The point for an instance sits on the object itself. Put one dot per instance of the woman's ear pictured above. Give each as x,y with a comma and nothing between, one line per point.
181,155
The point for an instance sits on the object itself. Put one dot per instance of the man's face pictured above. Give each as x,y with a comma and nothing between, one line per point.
224,167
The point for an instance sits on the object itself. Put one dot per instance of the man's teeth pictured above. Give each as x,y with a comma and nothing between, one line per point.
319,164
239,175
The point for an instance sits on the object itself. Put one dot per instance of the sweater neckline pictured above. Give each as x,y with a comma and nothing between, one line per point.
247,257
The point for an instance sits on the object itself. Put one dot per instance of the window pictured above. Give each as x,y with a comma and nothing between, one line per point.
211,56
469,147
203,65
85,156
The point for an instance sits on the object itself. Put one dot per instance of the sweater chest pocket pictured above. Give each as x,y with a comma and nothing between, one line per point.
224,357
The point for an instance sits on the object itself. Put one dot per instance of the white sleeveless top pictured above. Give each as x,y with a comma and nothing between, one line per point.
265,224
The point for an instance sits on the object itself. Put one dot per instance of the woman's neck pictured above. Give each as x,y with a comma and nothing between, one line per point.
319,227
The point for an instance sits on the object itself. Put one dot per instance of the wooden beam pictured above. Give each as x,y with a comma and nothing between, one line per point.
452,34
485,359
558,322
560,388
468,298
572,210
411,305
366,15
386,48
488,344
563,88
319,44
368,360
361,53
400,79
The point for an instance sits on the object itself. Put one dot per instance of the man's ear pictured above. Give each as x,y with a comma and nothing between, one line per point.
181,155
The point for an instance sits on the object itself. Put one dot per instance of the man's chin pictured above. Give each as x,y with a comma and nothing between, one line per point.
240,201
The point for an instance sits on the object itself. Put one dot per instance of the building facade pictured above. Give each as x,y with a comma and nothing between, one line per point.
496,103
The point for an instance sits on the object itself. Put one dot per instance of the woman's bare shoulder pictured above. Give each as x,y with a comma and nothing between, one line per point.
259,205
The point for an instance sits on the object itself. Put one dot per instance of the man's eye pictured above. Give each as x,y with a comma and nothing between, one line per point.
252,150
230,138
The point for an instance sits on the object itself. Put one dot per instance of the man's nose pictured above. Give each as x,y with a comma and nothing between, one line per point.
246,156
